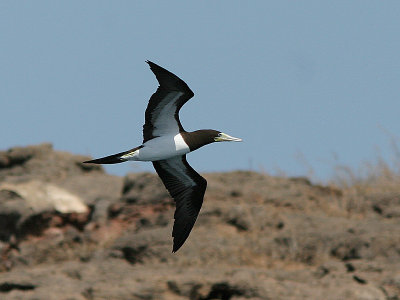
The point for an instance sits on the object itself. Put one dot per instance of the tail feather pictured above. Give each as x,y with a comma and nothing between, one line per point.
112,159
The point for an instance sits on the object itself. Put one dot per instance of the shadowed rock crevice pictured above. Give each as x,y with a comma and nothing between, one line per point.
15,157
35,225
223,291
134,255
6,287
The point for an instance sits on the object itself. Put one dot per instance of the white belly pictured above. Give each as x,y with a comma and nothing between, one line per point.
162,148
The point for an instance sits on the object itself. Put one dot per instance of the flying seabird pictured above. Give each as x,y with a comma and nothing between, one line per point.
165,144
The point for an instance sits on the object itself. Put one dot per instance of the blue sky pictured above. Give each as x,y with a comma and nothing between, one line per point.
306,84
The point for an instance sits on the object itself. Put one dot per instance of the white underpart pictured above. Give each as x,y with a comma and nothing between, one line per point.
160,148
164,122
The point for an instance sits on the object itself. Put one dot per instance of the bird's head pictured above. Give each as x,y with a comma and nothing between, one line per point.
200,138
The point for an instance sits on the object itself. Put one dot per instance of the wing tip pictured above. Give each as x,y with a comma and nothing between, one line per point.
177,246
152,65
169,80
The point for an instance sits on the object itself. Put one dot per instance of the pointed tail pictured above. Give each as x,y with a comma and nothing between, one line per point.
115,158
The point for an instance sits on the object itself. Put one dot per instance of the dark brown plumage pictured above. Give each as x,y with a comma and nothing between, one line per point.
199,138
187,189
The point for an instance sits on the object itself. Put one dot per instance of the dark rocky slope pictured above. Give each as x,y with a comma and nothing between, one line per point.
71,231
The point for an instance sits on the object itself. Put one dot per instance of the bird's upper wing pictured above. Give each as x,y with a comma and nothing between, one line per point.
162,113
187,188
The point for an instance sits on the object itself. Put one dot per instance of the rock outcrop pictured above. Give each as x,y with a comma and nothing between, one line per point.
71,231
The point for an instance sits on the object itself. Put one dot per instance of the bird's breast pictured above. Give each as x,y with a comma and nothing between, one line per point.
163,148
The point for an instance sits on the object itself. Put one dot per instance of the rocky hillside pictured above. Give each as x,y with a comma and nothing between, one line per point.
71,231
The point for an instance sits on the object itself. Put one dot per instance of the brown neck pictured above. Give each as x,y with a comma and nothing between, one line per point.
199,138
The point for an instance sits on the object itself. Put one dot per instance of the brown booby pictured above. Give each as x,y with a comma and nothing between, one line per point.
165,144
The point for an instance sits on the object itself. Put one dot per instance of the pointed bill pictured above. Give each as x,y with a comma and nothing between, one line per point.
223,137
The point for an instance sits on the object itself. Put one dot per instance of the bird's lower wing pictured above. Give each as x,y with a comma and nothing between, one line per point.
187,188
